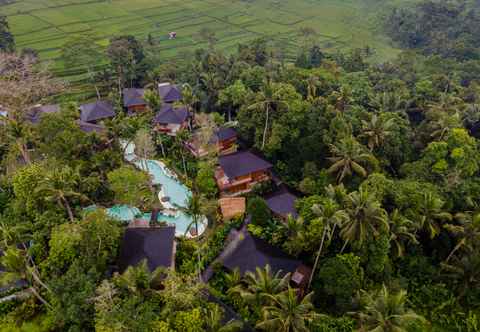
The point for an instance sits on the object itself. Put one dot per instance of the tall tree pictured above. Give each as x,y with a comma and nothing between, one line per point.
7,42
268,99
349,157
377,130
288,312
386,312
332,217
61,185
367,217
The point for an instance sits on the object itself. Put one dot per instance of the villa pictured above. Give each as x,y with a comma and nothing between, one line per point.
246,252
170,120
224,141
169,93
133,100
88,127
239,172
154,244
96,111
36,112
282,204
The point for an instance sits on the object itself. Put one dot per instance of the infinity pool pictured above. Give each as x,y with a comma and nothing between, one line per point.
171,188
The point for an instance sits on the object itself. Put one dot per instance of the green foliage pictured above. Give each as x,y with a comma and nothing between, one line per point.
341,276
130,186
205,180
258,209
333,324
7,42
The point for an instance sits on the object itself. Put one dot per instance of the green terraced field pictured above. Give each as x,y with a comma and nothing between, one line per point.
46,25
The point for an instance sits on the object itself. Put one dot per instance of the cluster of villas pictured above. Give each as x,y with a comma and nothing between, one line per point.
237,173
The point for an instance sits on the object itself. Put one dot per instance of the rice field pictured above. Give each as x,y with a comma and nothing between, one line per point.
46,25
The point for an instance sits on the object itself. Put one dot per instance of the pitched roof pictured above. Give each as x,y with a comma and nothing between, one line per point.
133,97
168,114
223,134
96,111
242,163
169,92
249,252
155,244
37,111
88,127
282,203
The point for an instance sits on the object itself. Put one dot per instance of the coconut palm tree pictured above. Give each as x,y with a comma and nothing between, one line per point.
377,130
287,313
295,231
213,321
402,230
332,217
312,84
466,231
349,157
464,271
60,185
366,217
18,265
430,214
256,286
388,102
189,98
267,100
383,311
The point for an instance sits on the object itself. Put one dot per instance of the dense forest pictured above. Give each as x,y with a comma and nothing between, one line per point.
383,157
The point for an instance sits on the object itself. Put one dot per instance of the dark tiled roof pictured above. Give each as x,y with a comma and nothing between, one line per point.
133,97
169,114
224,134
169,92
242,163
155,244
37,111
96,111
250,252
282,203
88,127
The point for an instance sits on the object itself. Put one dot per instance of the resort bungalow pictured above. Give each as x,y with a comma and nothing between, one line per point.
246,252
170,119
36,112
133,100
239,172
156,245
282,204
96,111
169,93
224,140
88,127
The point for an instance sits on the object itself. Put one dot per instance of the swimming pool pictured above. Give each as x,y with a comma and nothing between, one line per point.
171,187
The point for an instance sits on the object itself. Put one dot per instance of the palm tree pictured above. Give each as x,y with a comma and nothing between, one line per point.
465,272
466,231
18,133
18,265
312,83
189,98
332,217
260,284
366,217
213,321
295,231
348,157
402,230
267,100
430,214
287,313
377,130
60,186
386,312
388,102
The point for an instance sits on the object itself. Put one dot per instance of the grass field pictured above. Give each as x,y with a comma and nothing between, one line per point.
46,25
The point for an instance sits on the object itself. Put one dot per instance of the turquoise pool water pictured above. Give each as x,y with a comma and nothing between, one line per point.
171,187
